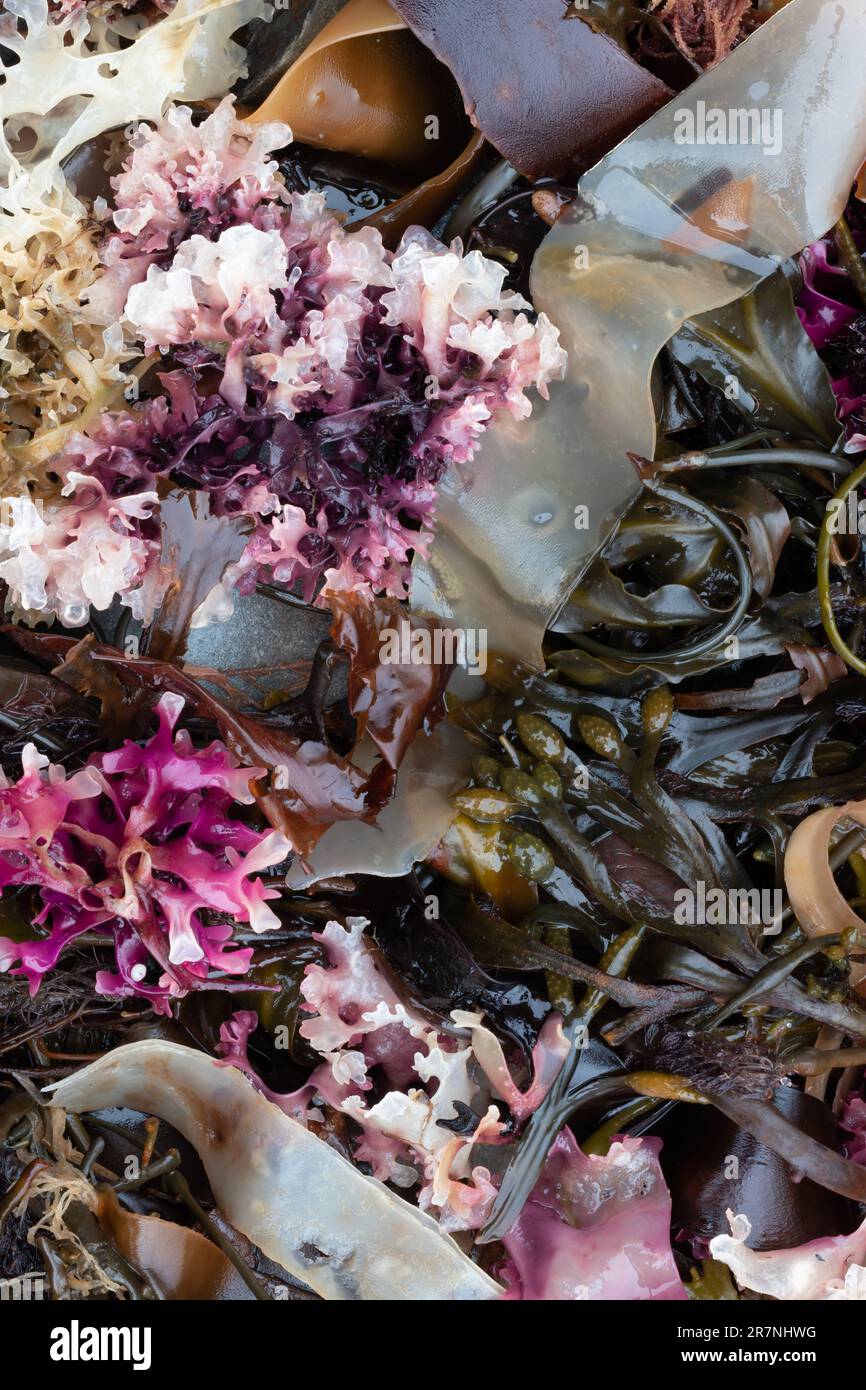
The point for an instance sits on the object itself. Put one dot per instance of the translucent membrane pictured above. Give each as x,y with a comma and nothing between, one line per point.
302,1203
673,222
409,828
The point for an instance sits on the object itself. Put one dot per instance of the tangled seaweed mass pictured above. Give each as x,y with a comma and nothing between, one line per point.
432,682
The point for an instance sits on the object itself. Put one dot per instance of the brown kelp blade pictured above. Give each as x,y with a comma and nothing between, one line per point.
365,86
428,200
551,94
